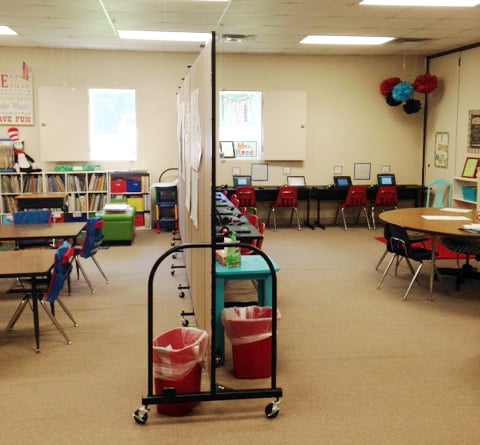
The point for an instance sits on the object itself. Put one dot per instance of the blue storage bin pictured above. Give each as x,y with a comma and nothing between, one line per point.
469,193
134,186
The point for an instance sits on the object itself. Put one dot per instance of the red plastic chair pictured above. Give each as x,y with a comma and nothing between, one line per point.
357,199
246,197
258,243
253,220
286,198
386,198
234,200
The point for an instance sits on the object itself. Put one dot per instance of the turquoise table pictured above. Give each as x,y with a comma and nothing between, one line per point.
252,267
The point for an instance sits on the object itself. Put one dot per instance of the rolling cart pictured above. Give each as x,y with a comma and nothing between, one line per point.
216,391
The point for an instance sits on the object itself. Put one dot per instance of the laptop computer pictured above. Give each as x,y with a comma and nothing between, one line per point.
242,181
342,182
296,181
386,179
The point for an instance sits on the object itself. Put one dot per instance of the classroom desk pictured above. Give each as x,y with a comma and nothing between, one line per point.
412,219
328,193
269,193
27,201
318,193
40,231
32,264
252,267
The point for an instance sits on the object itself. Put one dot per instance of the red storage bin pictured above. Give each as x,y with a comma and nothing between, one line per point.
177,355
250,332
139,220
118,186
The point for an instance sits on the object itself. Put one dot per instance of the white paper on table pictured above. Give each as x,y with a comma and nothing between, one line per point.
456,210
446,217
474,226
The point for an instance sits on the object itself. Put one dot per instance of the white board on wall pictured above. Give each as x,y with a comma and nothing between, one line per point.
284,125
63,117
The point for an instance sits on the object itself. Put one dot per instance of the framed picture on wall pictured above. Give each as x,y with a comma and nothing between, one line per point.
470,168
361,171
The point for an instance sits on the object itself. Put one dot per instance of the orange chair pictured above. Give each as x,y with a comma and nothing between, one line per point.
386,198
357,199
286,198
247,199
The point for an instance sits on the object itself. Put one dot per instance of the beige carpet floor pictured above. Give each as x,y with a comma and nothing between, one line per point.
357,365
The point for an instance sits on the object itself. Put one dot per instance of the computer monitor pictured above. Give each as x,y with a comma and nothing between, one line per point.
242,181
386,179
342,182
296,181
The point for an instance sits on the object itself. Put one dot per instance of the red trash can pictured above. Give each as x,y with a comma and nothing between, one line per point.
177,355
250,332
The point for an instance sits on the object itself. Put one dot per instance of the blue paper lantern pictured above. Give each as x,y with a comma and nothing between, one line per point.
403,91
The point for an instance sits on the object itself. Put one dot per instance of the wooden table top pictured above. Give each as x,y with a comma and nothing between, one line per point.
413,219
40,231
27,262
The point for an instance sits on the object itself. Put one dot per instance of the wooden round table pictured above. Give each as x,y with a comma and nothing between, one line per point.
445,223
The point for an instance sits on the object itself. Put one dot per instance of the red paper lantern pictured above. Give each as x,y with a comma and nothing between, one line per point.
425,83
387,85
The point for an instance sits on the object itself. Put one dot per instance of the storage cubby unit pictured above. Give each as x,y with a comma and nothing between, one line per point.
166,214
133,188
87,192
13,184
465,193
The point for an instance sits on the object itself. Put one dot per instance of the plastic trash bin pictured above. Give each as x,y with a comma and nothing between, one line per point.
250,332
177,355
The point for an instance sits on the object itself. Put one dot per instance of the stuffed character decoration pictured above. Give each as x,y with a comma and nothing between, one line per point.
23,162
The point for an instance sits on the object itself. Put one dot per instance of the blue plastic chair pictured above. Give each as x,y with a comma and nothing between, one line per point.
439,193
93,240
32,217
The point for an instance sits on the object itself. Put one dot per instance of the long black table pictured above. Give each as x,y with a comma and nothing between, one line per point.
318,193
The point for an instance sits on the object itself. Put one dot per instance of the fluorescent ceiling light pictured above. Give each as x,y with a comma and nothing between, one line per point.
450,3
166,36
345,40
6,31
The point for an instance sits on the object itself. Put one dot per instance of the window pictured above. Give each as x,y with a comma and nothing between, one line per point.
112,125
240,121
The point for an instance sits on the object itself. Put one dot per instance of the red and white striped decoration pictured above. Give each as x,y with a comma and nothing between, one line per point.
13,134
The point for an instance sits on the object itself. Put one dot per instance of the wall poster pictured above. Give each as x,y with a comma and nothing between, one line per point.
473,131
16,99
441,149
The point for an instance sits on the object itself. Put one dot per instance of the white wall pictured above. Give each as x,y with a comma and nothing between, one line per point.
458,92
348,119
155,77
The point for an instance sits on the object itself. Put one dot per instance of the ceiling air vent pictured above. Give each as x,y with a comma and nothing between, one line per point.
236,37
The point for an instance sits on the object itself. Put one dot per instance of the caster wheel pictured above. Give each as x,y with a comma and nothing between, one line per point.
141,416
271,410
218,361
172,273
181,294
185,323
174,256
172,243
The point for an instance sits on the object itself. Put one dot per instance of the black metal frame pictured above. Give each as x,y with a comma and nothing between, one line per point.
217,391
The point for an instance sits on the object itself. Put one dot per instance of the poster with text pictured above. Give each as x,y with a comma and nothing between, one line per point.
16,100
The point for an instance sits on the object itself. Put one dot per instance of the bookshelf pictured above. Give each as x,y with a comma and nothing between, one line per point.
87,191
132,187
466,192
